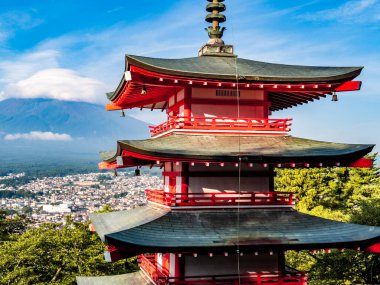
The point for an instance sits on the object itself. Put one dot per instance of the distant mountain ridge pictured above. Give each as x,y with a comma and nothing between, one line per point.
77,119
92,128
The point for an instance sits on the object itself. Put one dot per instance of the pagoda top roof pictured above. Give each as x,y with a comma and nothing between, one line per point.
225,68
228,148
207,230
163,76
135,278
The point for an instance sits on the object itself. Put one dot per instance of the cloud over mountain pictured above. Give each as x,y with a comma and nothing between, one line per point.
35,135
57,83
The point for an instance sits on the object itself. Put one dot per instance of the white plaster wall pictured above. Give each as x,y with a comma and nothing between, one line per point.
166,184
226,265
159,260
168,168
171,100
180,95
172,264
181,110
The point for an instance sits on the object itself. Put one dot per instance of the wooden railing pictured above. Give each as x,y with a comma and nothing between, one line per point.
147,264
149,267
220,199
223,124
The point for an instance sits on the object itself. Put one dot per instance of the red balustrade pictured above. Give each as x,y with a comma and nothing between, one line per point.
220,199
149,267
223,124
147,264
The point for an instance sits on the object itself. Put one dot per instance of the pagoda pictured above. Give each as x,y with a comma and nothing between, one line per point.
218,218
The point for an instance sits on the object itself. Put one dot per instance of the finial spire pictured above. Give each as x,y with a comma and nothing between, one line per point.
215,46
215,32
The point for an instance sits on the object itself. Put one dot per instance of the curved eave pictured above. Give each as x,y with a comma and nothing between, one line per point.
249,70
260,229
224,68
255,149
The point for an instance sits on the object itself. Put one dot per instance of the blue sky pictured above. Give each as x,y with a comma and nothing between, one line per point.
74,50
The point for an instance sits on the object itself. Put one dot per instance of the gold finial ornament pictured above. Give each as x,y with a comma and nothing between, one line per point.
215,46
215,32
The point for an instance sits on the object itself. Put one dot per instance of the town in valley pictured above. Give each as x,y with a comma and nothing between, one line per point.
52,199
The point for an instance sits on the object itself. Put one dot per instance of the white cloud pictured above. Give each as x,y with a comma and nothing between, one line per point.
43,136
19,20
12,21
27,64
355,10
59,84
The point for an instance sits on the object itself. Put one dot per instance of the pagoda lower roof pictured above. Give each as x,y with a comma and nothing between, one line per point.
135,278
149,229
228,148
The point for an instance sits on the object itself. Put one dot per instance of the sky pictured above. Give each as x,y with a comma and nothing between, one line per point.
74,50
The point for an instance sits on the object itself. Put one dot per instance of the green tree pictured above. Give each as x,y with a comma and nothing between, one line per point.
342,194
349,267
55,254
9,226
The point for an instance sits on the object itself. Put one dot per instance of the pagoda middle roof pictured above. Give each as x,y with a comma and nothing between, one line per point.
210,230
228,148
225,68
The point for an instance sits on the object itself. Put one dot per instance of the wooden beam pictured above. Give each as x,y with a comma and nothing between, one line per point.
349,86
294,98
164,106
275,97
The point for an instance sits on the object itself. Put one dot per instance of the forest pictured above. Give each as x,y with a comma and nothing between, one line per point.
57,253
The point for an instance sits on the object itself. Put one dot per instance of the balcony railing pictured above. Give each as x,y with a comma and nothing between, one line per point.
258,125
148,266
220,199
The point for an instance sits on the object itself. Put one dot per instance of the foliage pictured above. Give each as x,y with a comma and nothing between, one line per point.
19,194
9,226
55,254
16,181
105,209
337,194
368,213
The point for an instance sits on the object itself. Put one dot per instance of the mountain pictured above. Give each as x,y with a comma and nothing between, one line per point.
90,126
77,119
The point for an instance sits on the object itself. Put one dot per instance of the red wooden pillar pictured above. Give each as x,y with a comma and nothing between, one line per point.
185,177
266,109
187,102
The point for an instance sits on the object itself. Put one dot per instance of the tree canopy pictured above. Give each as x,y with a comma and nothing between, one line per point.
342,194
56,254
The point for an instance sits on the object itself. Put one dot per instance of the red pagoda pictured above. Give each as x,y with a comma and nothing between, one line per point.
218,218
